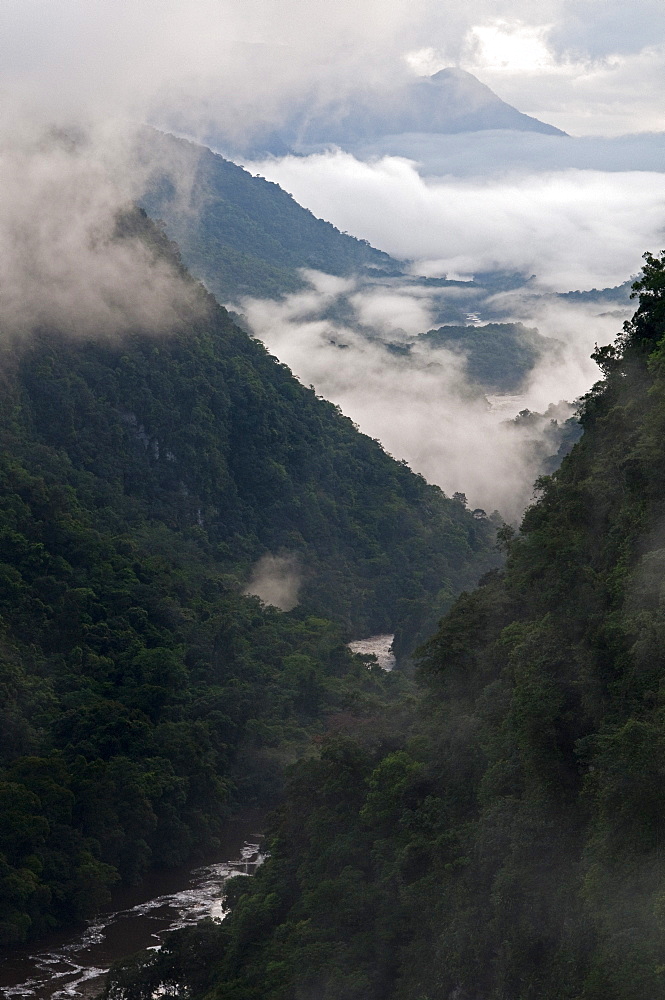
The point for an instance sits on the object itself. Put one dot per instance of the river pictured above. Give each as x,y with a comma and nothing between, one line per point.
380,646
74,964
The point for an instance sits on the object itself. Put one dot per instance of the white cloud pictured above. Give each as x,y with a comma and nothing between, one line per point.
232,64
421,406
501,46
60,263
567,80
406,311
572,228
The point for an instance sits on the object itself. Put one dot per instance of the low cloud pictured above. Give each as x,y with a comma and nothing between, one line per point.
393,311
230,66
276,580
62,264
571,228
420,404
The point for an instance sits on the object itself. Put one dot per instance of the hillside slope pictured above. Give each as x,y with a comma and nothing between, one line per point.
448,102
243,235
510,848
499,356
144,696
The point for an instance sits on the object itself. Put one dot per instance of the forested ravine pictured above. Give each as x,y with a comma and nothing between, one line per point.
502,839
74,964
145,697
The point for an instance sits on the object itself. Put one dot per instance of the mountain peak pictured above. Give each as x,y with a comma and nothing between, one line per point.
450,101
455,100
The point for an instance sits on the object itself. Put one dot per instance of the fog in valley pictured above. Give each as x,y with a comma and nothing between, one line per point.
432,214
558,212
553,231
350,345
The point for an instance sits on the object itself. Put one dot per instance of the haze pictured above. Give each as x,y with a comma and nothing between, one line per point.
575,211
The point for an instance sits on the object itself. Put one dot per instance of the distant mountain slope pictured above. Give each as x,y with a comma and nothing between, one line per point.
243,235
448,102
141,478
499,356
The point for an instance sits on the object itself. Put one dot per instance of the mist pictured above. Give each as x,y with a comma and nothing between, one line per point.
207,63
422,406
570,228
554,230
221,65
535,205
62,264
276,579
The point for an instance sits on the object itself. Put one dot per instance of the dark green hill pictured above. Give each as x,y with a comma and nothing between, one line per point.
510,845
243,235
499,356
143,697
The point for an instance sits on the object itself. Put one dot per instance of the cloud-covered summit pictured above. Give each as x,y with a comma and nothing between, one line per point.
447,102
580,64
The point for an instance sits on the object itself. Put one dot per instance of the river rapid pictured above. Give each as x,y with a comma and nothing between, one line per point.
380,646
74,964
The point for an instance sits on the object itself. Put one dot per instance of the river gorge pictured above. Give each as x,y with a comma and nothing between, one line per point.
74,964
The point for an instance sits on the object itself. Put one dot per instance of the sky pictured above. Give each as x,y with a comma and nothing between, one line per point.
587,66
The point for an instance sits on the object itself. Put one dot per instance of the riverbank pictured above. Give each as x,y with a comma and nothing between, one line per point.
74,964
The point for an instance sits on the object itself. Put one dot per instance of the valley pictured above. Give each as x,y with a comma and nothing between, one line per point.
332,354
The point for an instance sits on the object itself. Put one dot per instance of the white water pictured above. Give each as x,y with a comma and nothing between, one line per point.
75,966
380,646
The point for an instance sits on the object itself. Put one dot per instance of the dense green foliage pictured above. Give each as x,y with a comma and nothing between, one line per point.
143,697
510,847
499,356
243,235
616,294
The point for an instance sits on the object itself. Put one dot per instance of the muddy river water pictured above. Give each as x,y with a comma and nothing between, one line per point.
74,964
380,646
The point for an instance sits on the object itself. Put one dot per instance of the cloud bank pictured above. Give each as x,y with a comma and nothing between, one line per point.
593,65
421,406
61,263
571,228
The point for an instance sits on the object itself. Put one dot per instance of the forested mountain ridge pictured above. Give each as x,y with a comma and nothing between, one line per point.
499,356
510,847
243,235
143,696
